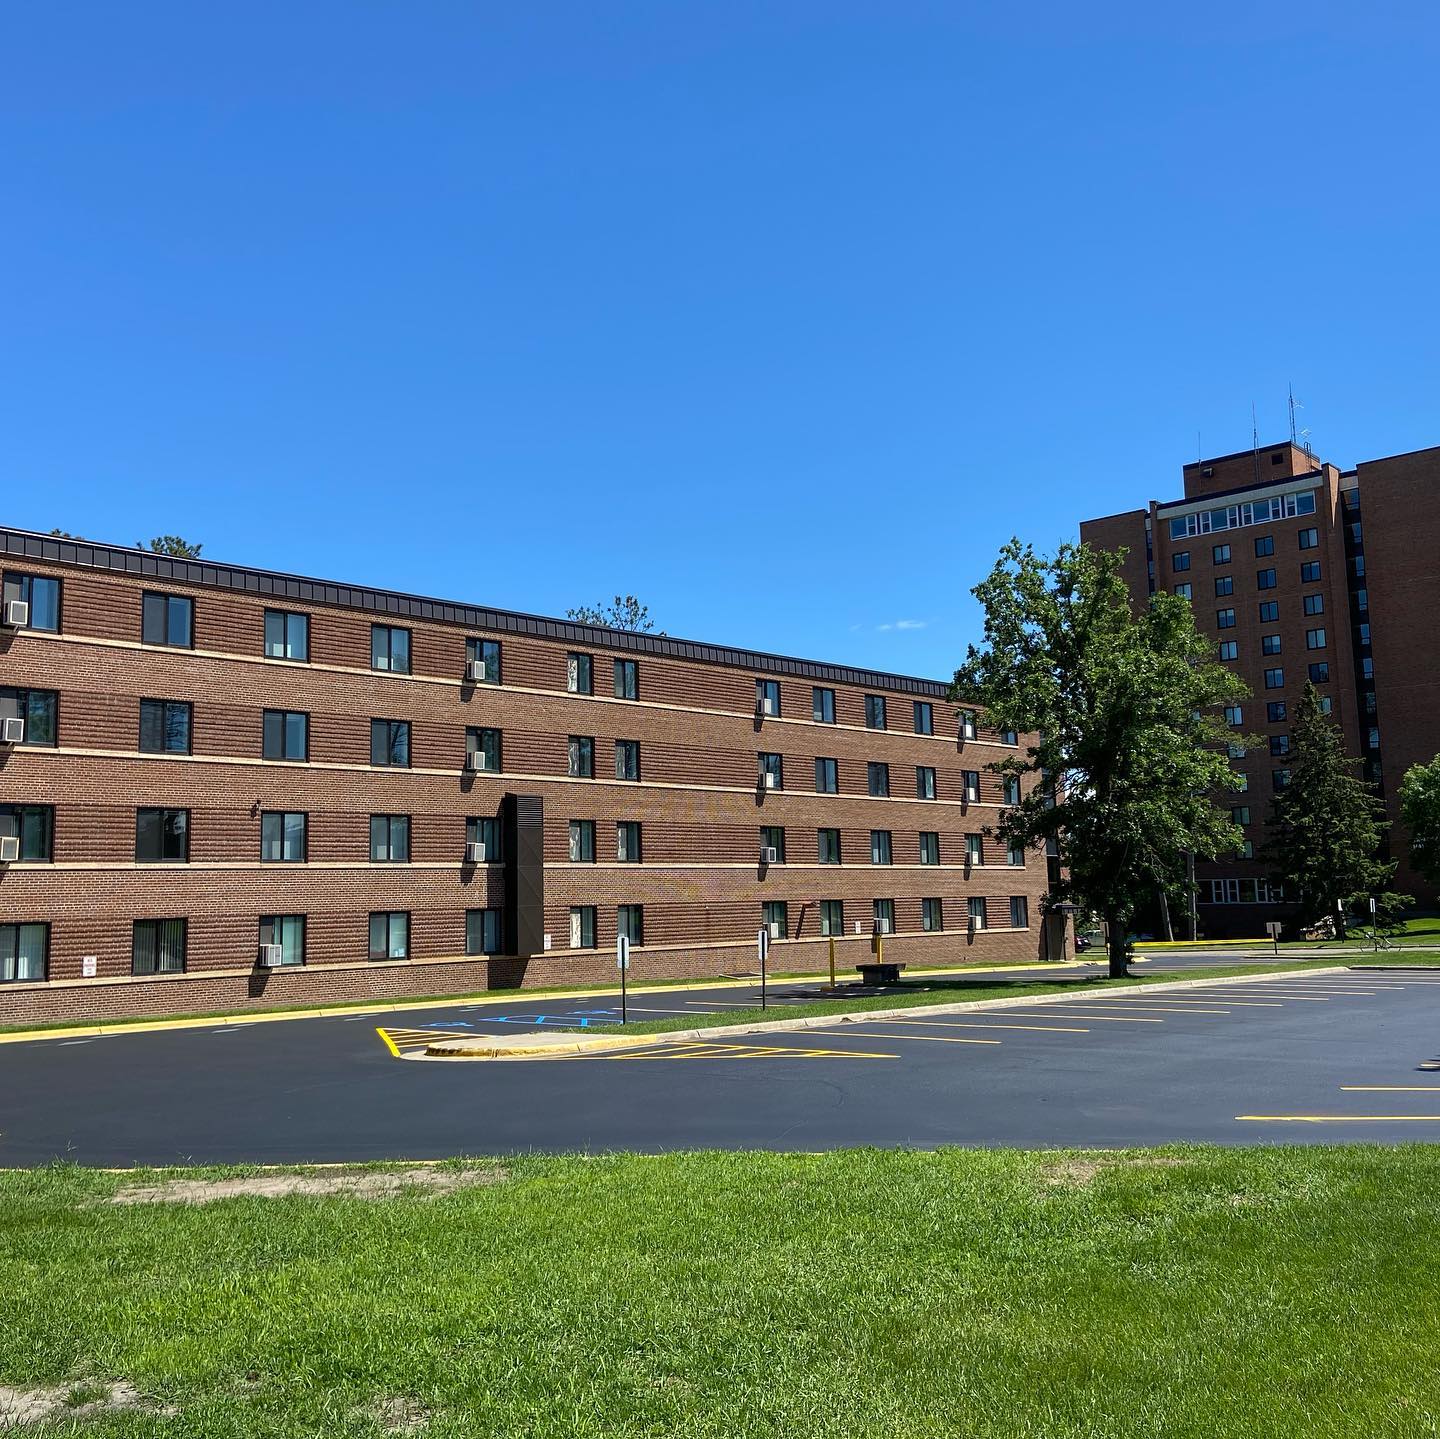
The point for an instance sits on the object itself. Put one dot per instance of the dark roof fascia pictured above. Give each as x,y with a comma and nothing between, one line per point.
272,584
1243,489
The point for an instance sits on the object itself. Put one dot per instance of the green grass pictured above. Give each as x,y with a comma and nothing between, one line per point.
1166,1294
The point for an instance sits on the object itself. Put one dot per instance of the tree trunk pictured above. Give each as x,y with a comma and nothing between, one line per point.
1340,924
1119,958
1165,913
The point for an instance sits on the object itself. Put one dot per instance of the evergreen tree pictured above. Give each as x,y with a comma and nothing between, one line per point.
172,545
625,612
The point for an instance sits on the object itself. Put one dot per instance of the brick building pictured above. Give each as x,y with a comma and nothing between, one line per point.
224,787
1300,571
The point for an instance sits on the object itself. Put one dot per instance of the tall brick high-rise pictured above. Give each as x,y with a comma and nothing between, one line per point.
223,787
1301,571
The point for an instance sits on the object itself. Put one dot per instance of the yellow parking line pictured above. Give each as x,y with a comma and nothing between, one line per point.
966,1024
1156,1008
937,1038
1282,994
1078,1014
389,1043
1324,989
1341,1118
1390,1088
1213,998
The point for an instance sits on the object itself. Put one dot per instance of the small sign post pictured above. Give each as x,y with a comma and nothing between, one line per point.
622,963
1272,928
1374,925
762,945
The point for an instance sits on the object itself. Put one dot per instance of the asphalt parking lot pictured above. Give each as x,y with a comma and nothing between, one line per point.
1263,1060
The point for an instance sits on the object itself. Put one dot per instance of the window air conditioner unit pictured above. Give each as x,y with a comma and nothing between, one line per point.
475,670
774,929
17,613
9,848
272,956
475,853
882,926
477,759
769,854
770,781
767,706
14,731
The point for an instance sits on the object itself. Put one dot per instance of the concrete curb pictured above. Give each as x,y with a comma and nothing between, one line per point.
567,1049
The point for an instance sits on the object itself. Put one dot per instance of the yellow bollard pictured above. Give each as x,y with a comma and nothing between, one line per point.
832,961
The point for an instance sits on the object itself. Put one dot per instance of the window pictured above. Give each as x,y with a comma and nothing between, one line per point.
767,697
932,916
579,675
582,926
34,826
389,650
1257,512
1315,639
627,759
1315,604
1229,650
884,912
164,727
287,635
485,653
1372,738
1011,785
582,841
1367,669
482,931
162,836
167,620
1279,746
1269,644
1265,579
967,724
1357,533
1264,545
974,850
24,952
1310,572
390,743
627,841
822,705
285,734
1274,711
1019,912
976,907
775,917
1269,611
1180,561
1362,635
486,742
1234,715
772,836
971,780
1183,592
1320,673
1369,697
1009,736
879,846
878,779
1016,853
1241,783
1220,554
832,917
42,595
924,717
874,711
1280,778
1235,750
39,710
827,846
1224,585
1247,849
1225,619
283,837
1309,539
771,771
582,757
288,931
1362,600
826,779
627,680
390,935
157,946
486,832
929,847
389,839
630,923
1274,679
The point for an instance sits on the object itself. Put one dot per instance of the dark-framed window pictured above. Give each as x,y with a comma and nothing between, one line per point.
1225,619
976,907
582,841
40,711
627,680
1016,855
34,826
582,757
1220,554
1310,571
1315,639
822,705
1269,611
482,931
390,743
24,953
1010,787
285,734
389,839
932,916
877,779
1274,711
579,674
971,780
1240,814
1224,585
874,711
630,922
880,849
1310,539
772,770
484,654
1264,545
775,916
390,649
287,635
485,830
1320,672
165,726
288,931
627,841
929,846
1180,561
1275,679
1183,591
157,946
924,717
1229,650
827,846
627,759
40,594
924,782
832,917
767,697
1269,644
968,726
284,836
772,836
1009,736
582,926
1019,912
1279,778
485,742
1279,746
390,934
826,776
1314,604
974,849
1265,579
167,620
884,913
162,836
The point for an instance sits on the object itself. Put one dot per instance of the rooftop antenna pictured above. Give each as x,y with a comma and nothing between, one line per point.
1255,440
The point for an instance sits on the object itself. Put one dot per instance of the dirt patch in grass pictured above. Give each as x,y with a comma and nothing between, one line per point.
366,1184
1075,1171
398,1415
87,1400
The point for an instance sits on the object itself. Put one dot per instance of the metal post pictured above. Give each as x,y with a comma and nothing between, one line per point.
622,961
762,944
1190,880
832,961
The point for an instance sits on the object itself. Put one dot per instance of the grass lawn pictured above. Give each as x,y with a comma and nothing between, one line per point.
1183,1292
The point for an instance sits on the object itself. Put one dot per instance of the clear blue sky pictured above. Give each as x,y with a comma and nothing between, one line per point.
782,315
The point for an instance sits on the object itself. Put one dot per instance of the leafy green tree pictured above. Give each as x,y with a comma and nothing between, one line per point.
171,545
625,612
1130,748
1326,824
1420,813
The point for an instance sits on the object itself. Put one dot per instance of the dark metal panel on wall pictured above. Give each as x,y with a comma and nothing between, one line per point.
524,819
